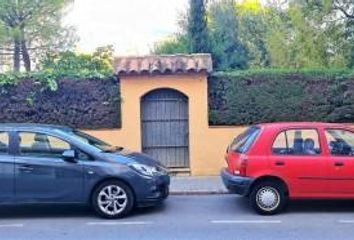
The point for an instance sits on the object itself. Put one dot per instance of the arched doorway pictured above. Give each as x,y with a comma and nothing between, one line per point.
164,125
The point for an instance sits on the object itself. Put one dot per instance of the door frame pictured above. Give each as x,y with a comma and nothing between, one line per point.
188,165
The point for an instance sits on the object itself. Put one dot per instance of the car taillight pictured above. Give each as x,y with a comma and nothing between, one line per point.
243,167
237,164
230,162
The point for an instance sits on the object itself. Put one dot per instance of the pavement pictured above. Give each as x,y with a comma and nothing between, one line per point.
197,185
219,216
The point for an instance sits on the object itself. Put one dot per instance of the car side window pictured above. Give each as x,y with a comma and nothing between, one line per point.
41,145
340,142
4,143
280,145
297,142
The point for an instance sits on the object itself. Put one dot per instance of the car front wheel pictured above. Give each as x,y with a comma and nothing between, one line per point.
268,198
113,199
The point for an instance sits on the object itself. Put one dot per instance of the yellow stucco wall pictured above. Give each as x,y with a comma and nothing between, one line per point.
206,144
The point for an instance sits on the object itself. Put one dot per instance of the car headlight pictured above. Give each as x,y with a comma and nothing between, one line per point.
144,169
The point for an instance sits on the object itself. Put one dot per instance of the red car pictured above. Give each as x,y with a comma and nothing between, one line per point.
271,163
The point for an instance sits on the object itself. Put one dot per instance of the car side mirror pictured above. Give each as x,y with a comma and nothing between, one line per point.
69,156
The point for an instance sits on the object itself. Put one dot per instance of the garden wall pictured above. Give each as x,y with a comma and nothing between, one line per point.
235,98
89,104
243,98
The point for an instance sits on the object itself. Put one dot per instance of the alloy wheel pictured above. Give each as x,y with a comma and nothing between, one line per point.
112,200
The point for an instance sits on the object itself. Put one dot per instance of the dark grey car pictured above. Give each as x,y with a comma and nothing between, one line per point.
56,164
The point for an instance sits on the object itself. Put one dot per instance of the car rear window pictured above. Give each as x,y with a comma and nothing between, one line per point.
244,141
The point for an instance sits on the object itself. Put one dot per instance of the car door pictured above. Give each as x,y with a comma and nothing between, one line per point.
340,144
41,173
6,169
304,167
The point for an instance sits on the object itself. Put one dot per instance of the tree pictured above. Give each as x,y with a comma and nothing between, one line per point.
253,24
73,64
305,35
343,12
227,49
197,29
174,45
34,27
343,6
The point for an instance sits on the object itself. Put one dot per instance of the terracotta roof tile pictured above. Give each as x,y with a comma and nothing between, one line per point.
164,64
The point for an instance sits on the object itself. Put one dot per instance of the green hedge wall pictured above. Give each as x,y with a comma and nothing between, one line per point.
81,103
235,98
249,97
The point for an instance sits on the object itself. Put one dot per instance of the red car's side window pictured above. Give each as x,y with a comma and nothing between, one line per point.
340,142
297,142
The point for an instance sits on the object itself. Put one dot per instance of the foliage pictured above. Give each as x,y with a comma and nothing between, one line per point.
235,98
174,45
197,31
78,65
82,81
258,34
253,25
67,65
83,103
248,97
306,36
227,50
8,79
33,28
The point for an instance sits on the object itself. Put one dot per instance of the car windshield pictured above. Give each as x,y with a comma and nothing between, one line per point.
244,141
95,142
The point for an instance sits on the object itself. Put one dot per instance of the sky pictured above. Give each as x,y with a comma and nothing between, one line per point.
132,26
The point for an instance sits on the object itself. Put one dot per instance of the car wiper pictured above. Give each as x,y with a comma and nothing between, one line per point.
113,149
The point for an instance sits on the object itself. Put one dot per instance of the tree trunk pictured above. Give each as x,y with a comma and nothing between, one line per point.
17,52
25,55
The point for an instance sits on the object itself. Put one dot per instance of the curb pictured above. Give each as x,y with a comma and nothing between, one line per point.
196,193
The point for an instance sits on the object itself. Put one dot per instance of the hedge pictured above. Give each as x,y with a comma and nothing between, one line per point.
235,98
85,103
248,97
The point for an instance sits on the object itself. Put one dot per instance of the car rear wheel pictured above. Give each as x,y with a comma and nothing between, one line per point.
113,199
268,198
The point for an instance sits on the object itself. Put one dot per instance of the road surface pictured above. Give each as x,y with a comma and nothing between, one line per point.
183,217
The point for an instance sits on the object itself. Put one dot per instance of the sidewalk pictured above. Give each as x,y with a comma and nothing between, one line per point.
197,185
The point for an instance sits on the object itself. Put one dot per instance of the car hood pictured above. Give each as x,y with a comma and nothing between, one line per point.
126,156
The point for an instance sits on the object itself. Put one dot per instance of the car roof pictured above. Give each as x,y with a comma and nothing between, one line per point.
304,125
34,126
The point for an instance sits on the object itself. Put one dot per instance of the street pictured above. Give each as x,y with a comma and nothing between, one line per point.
183,217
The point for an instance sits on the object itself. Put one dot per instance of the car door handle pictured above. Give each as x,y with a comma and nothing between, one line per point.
26,169
279,163
339,164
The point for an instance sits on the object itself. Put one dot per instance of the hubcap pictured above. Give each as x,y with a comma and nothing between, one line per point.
112,200
268,198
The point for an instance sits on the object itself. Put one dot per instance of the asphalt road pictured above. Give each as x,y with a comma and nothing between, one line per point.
183,217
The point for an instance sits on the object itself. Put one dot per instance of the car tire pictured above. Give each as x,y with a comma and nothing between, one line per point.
113,199
268,198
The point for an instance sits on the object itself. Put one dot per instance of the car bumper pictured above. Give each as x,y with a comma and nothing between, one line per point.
157,190
236,184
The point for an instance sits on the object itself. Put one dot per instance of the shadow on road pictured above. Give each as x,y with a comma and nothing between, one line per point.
61,211
222,205
321,206
310,206
44,211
